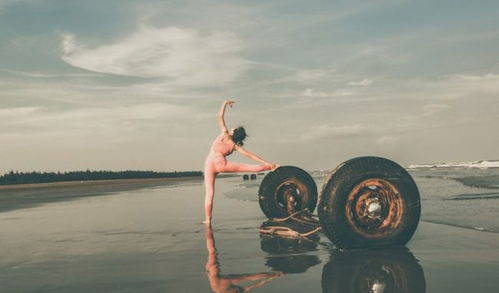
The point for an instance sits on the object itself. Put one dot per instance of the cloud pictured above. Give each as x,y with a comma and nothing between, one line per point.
463,86
383,53
364,82
10,113
68,43
467,77
91,119
313,93
313,75
51,75
184,56
328,131
385,140
430,109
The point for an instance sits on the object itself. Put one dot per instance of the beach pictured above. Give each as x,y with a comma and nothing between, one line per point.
147,236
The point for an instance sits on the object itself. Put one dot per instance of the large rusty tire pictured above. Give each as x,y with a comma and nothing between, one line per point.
285,190
369,202
386,270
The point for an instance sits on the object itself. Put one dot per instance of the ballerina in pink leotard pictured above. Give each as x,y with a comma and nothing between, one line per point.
215,163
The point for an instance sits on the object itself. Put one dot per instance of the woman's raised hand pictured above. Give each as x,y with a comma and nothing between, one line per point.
229,103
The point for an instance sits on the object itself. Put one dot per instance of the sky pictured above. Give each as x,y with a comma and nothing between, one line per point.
121,84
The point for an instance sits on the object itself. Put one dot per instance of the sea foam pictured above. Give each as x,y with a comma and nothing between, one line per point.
483,164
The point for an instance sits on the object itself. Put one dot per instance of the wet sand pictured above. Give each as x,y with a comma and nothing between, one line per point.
148,237
29,195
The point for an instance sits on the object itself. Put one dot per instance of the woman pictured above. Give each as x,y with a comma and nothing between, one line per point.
215,163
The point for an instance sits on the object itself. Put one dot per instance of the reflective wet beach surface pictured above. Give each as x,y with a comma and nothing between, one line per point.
151,240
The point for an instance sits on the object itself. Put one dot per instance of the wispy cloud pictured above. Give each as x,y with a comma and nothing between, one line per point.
51,75
459,86
313,75
128,119
468,77
313,93
91,118
431,109
183,56
386,140
327,131
377,53
363,82
13,113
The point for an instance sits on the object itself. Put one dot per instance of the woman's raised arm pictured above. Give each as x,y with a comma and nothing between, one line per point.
221,120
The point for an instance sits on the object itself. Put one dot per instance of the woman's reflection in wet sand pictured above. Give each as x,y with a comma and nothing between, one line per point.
229,282
389,270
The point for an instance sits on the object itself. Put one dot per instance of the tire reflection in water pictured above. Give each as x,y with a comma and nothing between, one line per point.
373,271
288,255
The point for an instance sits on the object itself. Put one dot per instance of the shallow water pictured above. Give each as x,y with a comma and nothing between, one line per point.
445,199
152,240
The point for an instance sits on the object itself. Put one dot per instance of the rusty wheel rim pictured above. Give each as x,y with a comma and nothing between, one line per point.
289,196
374,208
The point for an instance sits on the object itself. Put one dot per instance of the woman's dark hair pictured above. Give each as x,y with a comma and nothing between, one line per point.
239,135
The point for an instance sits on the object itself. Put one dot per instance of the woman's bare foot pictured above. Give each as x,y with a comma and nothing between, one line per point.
207,222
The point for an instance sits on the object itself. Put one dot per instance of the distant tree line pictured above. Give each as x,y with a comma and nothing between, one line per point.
14,177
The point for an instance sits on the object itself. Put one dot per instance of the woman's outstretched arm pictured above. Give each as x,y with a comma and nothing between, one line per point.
221,113
252,156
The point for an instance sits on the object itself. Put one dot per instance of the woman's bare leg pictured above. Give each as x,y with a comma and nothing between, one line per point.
209,184
209,181
240,167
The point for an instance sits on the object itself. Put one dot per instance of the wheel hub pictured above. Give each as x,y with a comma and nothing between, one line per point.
374,207
289,196
378,287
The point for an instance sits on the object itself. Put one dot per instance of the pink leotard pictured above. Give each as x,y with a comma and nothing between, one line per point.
215,162
219,147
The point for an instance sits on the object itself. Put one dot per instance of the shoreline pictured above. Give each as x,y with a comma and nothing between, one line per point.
95,182
21,196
